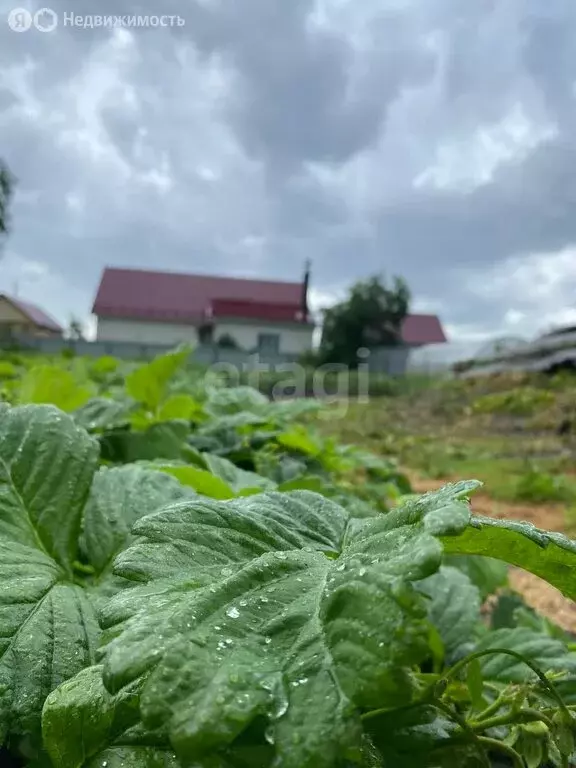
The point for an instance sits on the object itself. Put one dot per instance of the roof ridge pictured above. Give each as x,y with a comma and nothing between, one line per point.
202,274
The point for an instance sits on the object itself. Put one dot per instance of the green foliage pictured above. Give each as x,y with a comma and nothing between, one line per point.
454,607
539,487
371,316
51,384
487,575
148,384
7,183
7,370
522,401
193,576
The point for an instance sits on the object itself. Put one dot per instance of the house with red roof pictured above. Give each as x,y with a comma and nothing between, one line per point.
149,307
266,316
422,330
19,317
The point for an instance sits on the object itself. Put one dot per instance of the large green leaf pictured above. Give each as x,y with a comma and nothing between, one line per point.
103,413
412,738
546,652
148,384
242,421
291,409
454,606
551,556
120,496
160,441
221,479
48,630
299,439
272,606
238,479
83,726
200,480
46,467
180,406
48,626
226,402
486,573
81,719
52,385
134,756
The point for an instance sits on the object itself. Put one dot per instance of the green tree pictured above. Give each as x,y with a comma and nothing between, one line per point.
226,341
75,329
371,316
7,182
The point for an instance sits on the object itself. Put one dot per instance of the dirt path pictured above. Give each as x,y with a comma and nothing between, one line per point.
544,598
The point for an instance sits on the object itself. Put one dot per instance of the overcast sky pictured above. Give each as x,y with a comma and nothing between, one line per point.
435,139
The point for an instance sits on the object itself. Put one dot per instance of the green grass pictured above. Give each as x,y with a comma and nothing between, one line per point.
426,436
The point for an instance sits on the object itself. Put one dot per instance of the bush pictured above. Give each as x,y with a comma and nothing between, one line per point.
540,487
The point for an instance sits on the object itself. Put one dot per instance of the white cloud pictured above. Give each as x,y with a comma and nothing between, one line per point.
249,140
34,281
76,202
540,289
474,160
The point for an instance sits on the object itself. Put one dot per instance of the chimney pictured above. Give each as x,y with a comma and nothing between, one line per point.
305,286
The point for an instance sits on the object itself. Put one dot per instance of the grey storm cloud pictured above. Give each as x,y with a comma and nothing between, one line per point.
435,140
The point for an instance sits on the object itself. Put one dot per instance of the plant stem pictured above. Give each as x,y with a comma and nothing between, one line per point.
499,746
511,718
494,707
457,717
506,652
386,710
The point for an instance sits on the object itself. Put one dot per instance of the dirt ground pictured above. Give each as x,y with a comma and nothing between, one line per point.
540,595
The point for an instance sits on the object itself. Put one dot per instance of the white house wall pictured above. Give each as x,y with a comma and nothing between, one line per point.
293,340
142,332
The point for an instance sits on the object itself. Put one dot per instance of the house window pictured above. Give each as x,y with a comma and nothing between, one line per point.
269,343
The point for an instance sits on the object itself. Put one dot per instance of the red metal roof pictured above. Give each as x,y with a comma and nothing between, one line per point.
423,329
256,310
34,313
184,298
